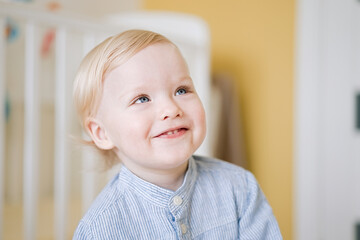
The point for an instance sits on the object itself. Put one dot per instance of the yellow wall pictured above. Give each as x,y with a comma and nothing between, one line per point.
254,42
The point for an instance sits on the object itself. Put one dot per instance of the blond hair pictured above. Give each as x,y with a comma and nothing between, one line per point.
105,57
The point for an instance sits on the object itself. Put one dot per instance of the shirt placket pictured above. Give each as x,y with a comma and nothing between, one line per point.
179,217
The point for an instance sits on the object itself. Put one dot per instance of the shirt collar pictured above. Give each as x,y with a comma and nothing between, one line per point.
157,195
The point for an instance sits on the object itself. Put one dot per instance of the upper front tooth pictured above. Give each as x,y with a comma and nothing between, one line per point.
172,132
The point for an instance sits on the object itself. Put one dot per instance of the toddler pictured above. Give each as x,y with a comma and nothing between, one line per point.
137,101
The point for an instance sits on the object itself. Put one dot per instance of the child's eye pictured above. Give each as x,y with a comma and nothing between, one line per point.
142,99
181,91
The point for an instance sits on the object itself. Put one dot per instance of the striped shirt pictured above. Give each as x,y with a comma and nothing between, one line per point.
217,200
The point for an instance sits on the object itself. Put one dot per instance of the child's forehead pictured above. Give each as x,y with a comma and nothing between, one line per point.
134,57
163,55
156,48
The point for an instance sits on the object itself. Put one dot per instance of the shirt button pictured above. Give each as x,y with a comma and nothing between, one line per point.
177,200
183,228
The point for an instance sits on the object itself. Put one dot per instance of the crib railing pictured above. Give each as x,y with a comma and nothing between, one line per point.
62,25
91,33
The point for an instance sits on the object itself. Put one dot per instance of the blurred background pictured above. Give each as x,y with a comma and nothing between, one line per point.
279,80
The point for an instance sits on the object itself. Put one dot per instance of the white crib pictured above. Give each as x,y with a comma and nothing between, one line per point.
24,153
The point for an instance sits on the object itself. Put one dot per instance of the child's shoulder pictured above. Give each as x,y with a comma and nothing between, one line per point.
209,167
109,195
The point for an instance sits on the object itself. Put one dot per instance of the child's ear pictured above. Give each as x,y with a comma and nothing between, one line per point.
98,134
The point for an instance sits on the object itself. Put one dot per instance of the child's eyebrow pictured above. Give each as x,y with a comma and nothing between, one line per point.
186,79
133,91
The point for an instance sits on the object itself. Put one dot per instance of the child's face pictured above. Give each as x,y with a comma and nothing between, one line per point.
150,112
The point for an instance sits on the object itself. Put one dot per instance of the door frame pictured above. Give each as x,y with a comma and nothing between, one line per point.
306,120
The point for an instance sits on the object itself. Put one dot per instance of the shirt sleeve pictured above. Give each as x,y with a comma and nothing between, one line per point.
257,220
82,232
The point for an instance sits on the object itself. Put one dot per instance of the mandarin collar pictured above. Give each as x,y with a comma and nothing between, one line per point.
157,195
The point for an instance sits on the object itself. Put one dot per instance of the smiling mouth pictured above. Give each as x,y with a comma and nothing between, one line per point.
173,133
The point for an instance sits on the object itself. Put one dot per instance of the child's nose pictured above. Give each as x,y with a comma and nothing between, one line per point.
170,109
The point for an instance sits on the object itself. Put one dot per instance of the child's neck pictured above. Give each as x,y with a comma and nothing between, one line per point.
168,179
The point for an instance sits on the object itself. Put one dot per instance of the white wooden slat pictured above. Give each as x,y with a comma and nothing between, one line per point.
201,75
2,119
61,149
31,139
88,159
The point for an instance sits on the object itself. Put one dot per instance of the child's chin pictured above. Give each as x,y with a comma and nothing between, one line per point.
173,162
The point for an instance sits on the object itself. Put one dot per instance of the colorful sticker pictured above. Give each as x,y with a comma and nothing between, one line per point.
11,30
47,42
49,37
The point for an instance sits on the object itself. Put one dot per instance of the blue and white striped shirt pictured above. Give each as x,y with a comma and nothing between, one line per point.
217,200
